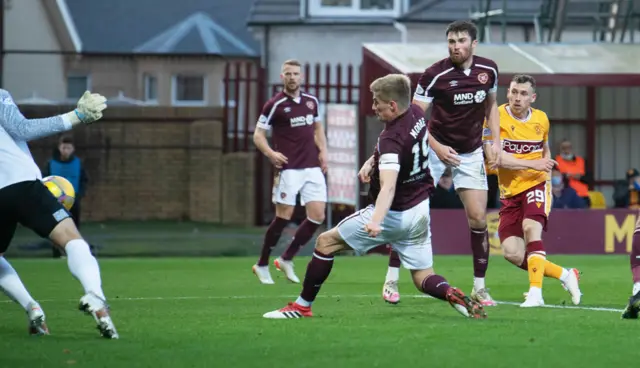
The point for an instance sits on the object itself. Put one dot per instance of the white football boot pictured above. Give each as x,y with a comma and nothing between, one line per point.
37,325
482,296
263,274
572,285
534,299
390,292
287,268
98,308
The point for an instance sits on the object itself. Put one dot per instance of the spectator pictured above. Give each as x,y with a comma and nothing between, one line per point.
627,195
573,167
445,195
563,195
64,163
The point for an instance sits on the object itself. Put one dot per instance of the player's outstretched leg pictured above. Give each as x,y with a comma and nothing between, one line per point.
318,269
633,307
13,287
390,292
271,237
303,234
84,267
438,287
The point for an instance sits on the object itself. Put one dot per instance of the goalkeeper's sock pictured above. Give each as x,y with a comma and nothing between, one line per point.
536,263
11,284
84,266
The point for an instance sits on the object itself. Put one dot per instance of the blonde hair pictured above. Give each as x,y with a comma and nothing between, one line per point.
292,62
393,87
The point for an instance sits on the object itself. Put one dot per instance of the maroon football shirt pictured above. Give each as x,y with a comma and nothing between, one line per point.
403,146
292,121
458,101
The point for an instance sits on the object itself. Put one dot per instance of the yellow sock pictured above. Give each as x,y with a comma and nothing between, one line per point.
552,270
536,270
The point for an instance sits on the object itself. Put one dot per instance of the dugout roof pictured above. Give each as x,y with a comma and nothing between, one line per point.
413,58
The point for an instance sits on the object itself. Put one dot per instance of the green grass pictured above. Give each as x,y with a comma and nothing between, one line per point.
207,312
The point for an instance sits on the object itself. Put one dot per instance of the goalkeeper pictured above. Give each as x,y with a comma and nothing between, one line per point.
25,200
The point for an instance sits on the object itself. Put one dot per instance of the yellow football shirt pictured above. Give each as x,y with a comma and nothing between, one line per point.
525,139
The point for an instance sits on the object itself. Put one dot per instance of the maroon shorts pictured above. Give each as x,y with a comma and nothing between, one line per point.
534,203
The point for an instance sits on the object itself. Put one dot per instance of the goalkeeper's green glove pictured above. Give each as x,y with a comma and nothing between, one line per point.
89,109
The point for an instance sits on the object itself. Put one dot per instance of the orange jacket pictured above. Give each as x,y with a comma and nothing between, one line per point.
575,166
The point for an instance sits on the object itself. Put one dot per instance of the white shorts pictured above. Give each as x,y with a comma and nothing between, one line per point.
408,233
310,183
470,174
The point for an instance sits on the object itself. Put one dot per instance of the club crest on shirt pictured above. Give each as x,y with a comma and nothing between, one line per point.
483,78
311,105
538,130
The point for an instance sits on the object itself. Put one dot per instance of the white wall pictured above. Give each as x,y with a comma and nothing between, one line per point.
28,27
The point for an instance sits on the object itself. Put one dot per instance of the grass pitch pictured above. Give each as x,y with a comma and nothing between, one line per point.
207,312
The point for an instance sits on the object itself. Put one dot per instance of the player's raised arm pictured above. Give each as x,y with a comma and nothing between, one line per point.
89,109
260,137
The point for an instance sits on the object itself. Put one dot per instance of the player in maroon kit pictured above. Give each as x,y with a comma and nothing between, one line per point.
401,186
633,307
461,90
300,154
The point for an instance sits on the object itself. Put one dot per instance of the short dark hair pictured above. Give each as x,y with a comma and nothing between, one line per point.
524,78
66,139
460,26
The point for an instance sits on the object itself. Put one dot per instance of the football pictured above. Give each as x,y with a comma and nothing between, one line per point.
62,189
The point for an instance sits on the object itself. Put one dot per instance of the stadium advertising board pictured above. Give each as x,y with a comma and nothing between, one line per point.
342,152
569,232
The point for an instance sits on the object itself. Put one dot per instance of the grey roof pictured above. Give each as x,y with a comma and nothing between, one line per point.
215,27
517,11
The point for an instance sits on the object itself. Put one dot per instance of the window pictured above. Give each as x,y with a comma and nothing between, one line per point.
385,8
189,90
150,88
76,85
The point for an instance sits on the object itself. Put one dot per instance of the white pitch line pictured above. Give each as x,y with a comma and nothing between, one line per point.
218,297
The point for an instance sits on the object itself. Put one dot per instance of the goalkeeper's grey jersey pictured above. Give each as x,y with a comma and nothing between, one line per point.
16,162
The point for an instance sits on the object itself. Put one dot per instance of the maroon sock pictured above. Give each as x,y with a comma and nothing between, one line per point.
394,259
271,239
480,250
318,270
525,263
300,239
635,256
436,286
